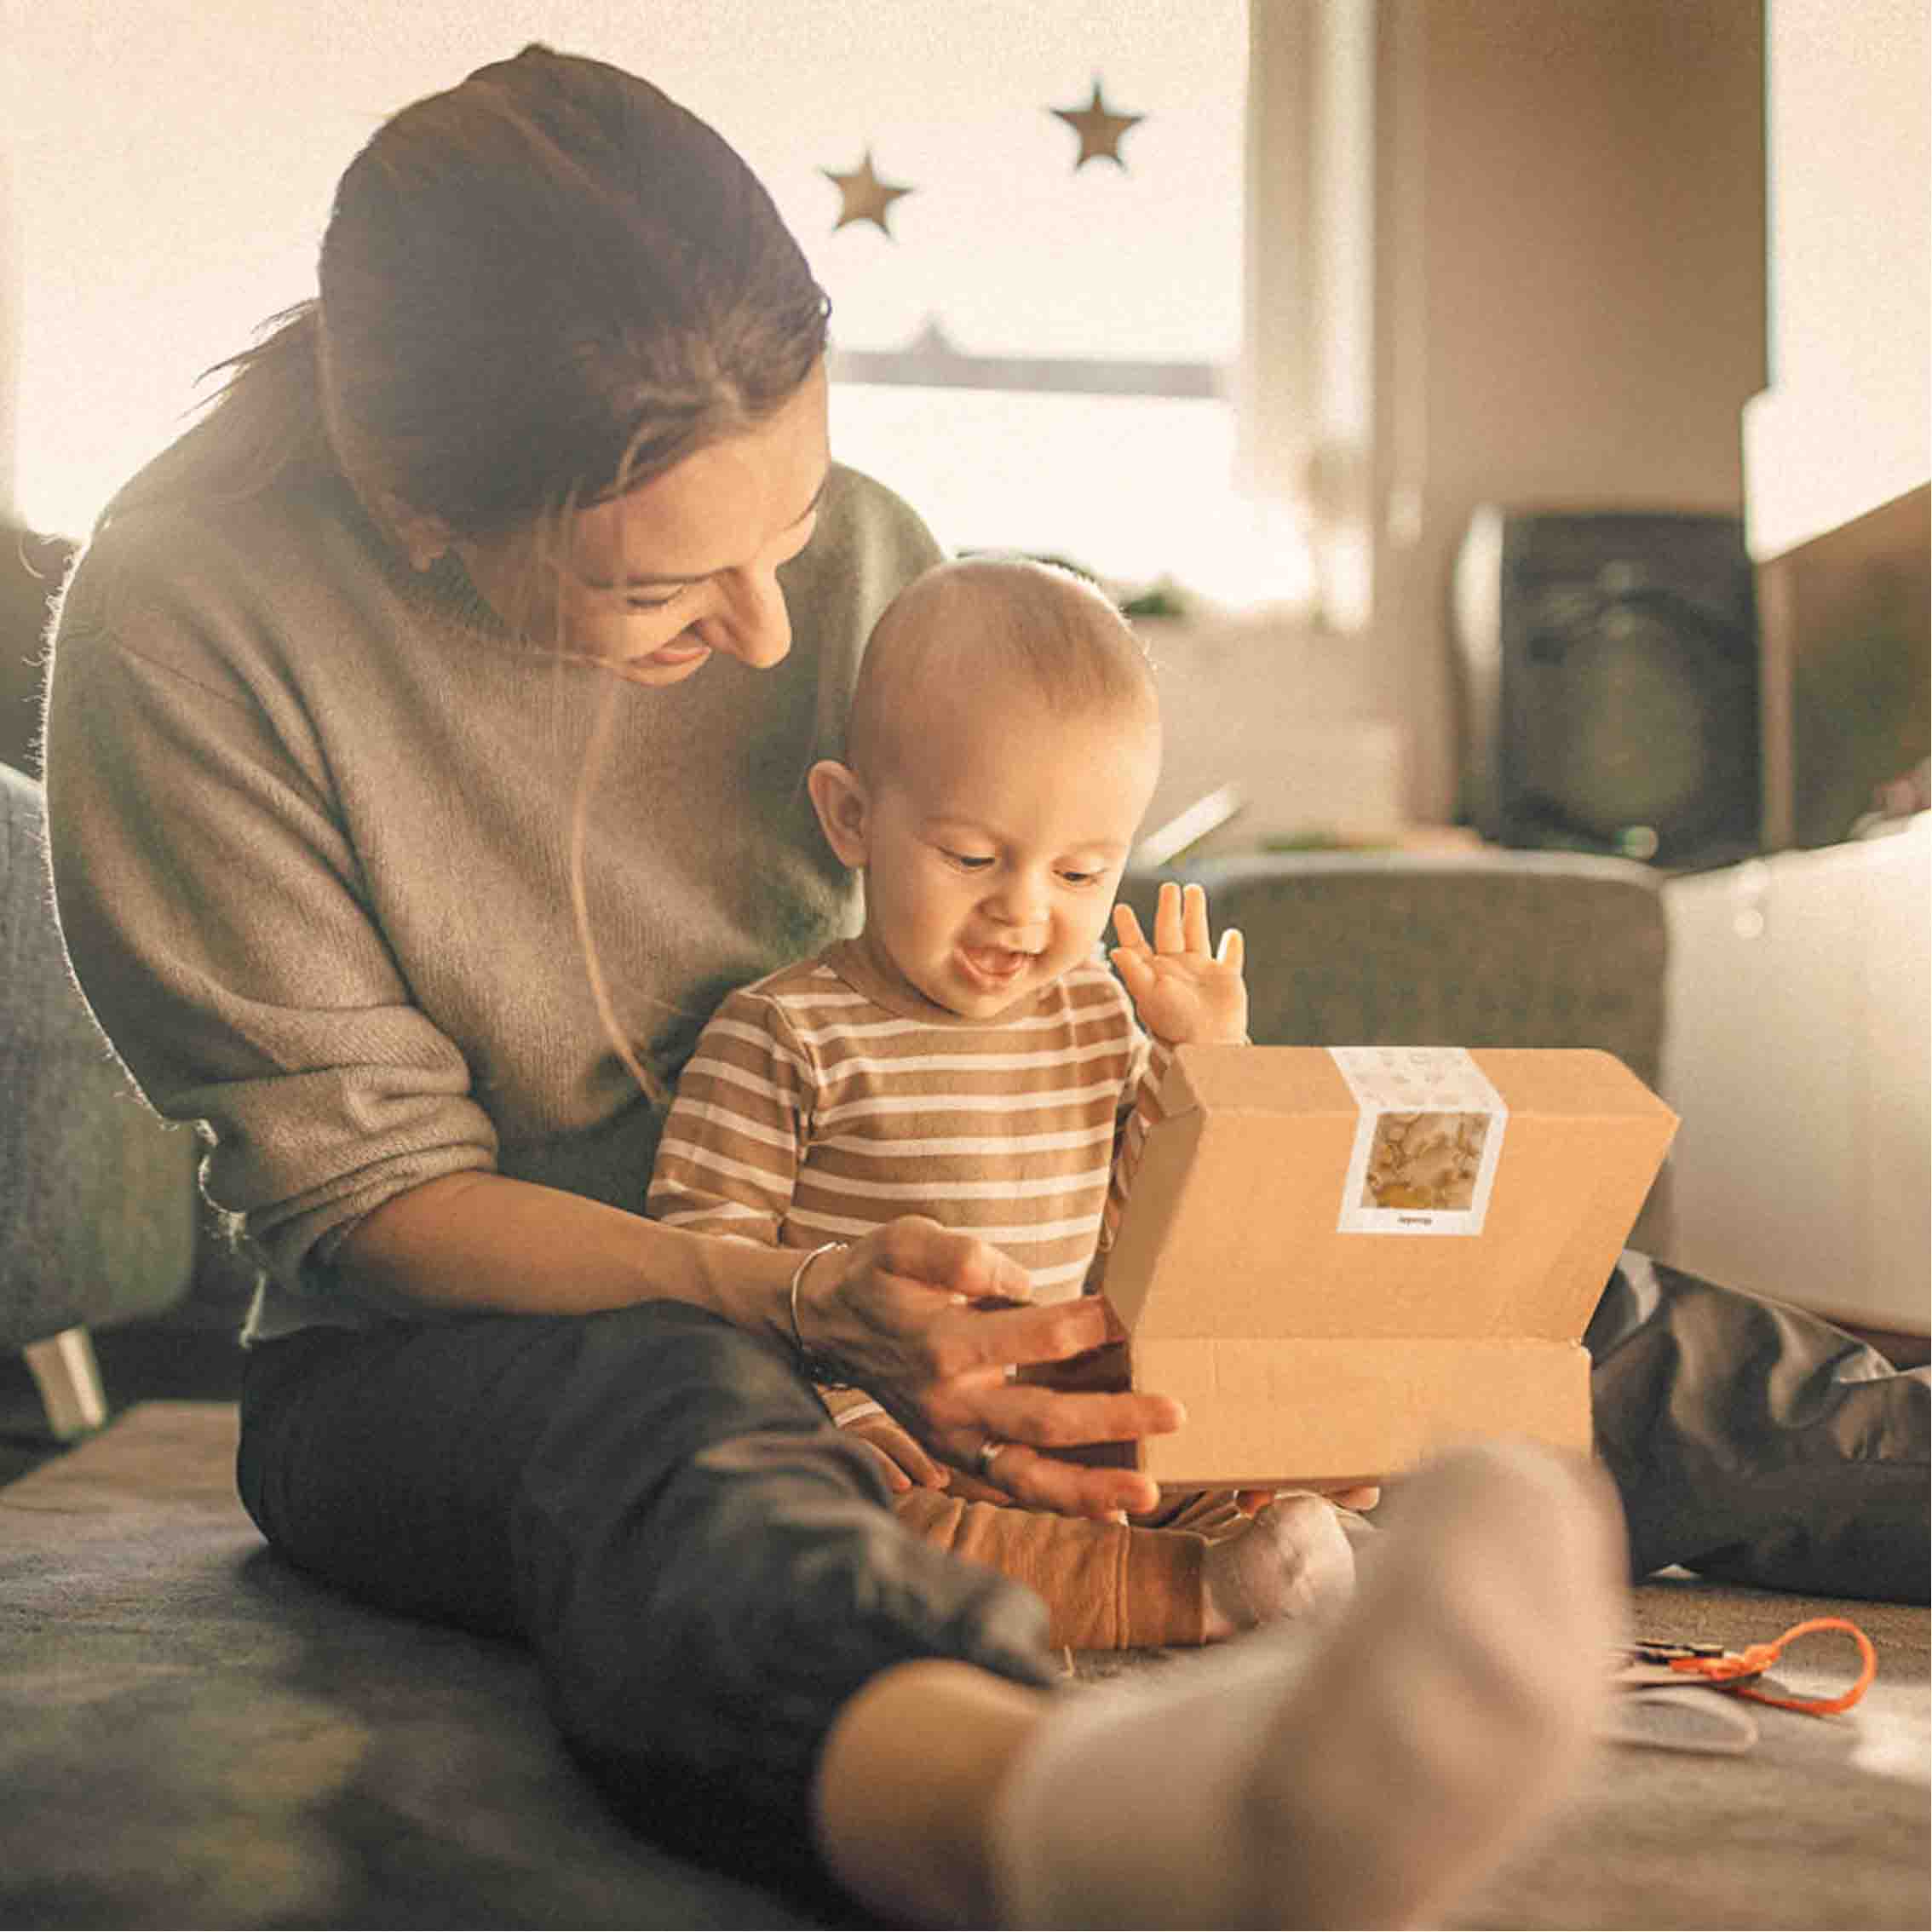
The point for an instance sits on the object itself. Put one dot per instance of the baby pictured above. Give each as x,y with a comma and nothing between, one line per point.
970,1057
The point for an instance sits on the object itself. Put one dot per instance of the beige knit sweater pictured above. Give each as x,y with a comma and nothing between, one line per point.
309,820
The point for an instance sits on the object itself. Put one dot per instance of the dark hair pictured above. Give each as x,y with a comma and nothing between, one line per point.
543,287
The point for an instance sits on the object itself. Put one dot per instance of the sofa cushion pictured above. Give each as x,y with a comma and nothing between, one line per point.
1502,949
97,1194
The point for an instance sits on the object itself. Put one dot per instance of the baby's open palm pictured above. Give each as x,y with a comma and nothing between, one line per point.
1185,991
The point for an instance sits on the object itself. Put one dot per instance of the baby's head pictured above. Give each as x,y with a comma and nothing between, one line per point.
1003,745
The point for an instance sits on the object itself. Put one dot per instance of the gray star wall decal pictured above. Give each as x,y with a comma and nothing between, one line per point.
1099,129
863,197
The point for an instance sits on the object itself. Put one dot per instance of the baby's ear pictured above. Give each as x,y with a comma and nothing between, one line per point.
839,796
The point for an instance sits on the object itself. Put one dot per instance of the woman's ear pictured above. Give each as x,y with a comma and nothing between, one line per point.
839,796
422,538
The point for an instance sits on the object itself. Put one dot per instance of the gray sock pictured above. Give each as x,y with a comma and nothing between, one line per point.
1362,1773
1293,1560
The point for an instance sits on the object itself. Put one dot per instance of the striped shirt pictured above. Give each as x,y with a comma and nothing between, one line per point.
820,1103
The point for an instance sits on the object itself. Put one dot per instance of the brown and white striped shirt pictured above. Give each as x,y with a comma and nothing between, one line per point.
821,1102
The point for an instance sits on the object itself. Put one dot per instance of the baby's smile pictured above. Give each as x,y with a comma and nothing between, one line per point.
995,964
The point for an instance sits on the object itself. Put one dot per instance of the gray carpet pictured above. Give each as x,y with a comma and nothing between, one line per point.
191,1736
1823,1823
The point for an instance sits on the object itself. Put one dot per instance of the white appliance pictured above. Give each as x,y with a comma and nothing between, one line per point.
1796,1051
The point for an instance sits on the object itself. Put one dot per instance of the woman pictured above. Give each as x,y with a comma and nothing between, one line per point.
425,746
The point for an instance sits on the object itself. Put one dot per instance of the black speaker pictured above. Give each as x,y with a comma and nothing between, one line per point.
1607,677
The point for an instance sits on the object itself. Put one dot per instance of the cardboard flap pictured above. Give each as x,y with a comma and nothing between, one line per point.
1153,1231
1231,1229
1251,1079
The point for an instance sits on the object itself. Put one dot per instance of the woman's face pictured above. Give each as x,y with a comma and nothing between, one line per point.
685,564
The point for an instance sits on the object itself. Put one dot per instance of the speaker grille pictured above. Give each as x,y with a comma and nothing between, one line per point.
1608,673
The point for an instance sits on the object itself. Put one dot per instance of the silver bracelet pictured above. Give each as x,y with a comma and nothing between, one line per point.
813,1366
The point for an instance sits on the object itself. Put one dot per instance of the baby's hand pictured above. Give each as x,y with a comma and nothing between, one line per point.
903,1462
1186,994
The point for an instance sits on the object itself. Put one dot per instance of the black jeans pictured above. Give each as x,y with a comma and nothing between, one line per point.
1754,1443
657,1503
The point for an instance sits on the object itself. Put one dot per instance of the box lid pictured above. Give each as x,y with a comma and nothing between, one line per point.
1233,1225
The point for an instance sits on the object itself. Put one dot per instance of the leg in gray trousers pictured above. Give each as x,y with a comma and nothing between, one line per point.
1754,1443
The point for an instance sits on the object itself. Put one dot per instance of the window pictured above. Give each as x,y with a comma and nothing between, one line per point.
1041,355
1038,355
1123,467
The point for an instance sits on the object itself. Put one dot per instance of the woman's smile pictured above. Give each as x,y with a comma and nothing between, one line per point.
678,651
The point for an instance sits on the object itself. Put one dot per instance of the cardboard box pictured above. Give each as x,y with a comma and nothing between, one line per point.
1341,1260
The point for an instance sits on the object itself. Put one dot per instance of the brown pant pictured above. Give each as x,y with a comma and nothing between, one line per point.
1108,1586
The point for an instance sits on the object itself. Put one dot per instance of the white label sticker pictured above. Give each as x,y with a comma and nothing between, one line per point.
1427,1143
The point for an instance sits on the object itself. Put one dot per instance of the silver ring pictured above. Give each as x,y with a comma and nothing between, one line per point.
988,1449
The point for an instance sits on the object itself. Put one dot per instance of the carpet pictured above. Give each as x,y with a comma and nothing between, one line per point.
192,1736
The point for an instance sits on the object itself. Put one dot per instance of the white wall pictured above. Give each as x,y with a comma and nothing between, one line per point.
9,326
1571,287
1273,707
1796,1053
1846,423
172,163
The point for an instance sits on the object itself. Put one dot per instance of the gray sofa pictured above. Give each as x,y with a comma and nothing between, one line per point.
98,1214
1443,948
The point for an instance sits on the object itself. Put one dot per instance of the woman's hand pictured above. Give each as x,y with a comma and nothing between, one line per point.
929,1320
1185,992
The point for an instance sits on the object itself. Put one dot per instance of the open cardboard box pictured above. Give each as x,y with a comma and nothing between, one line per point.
1336,1287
